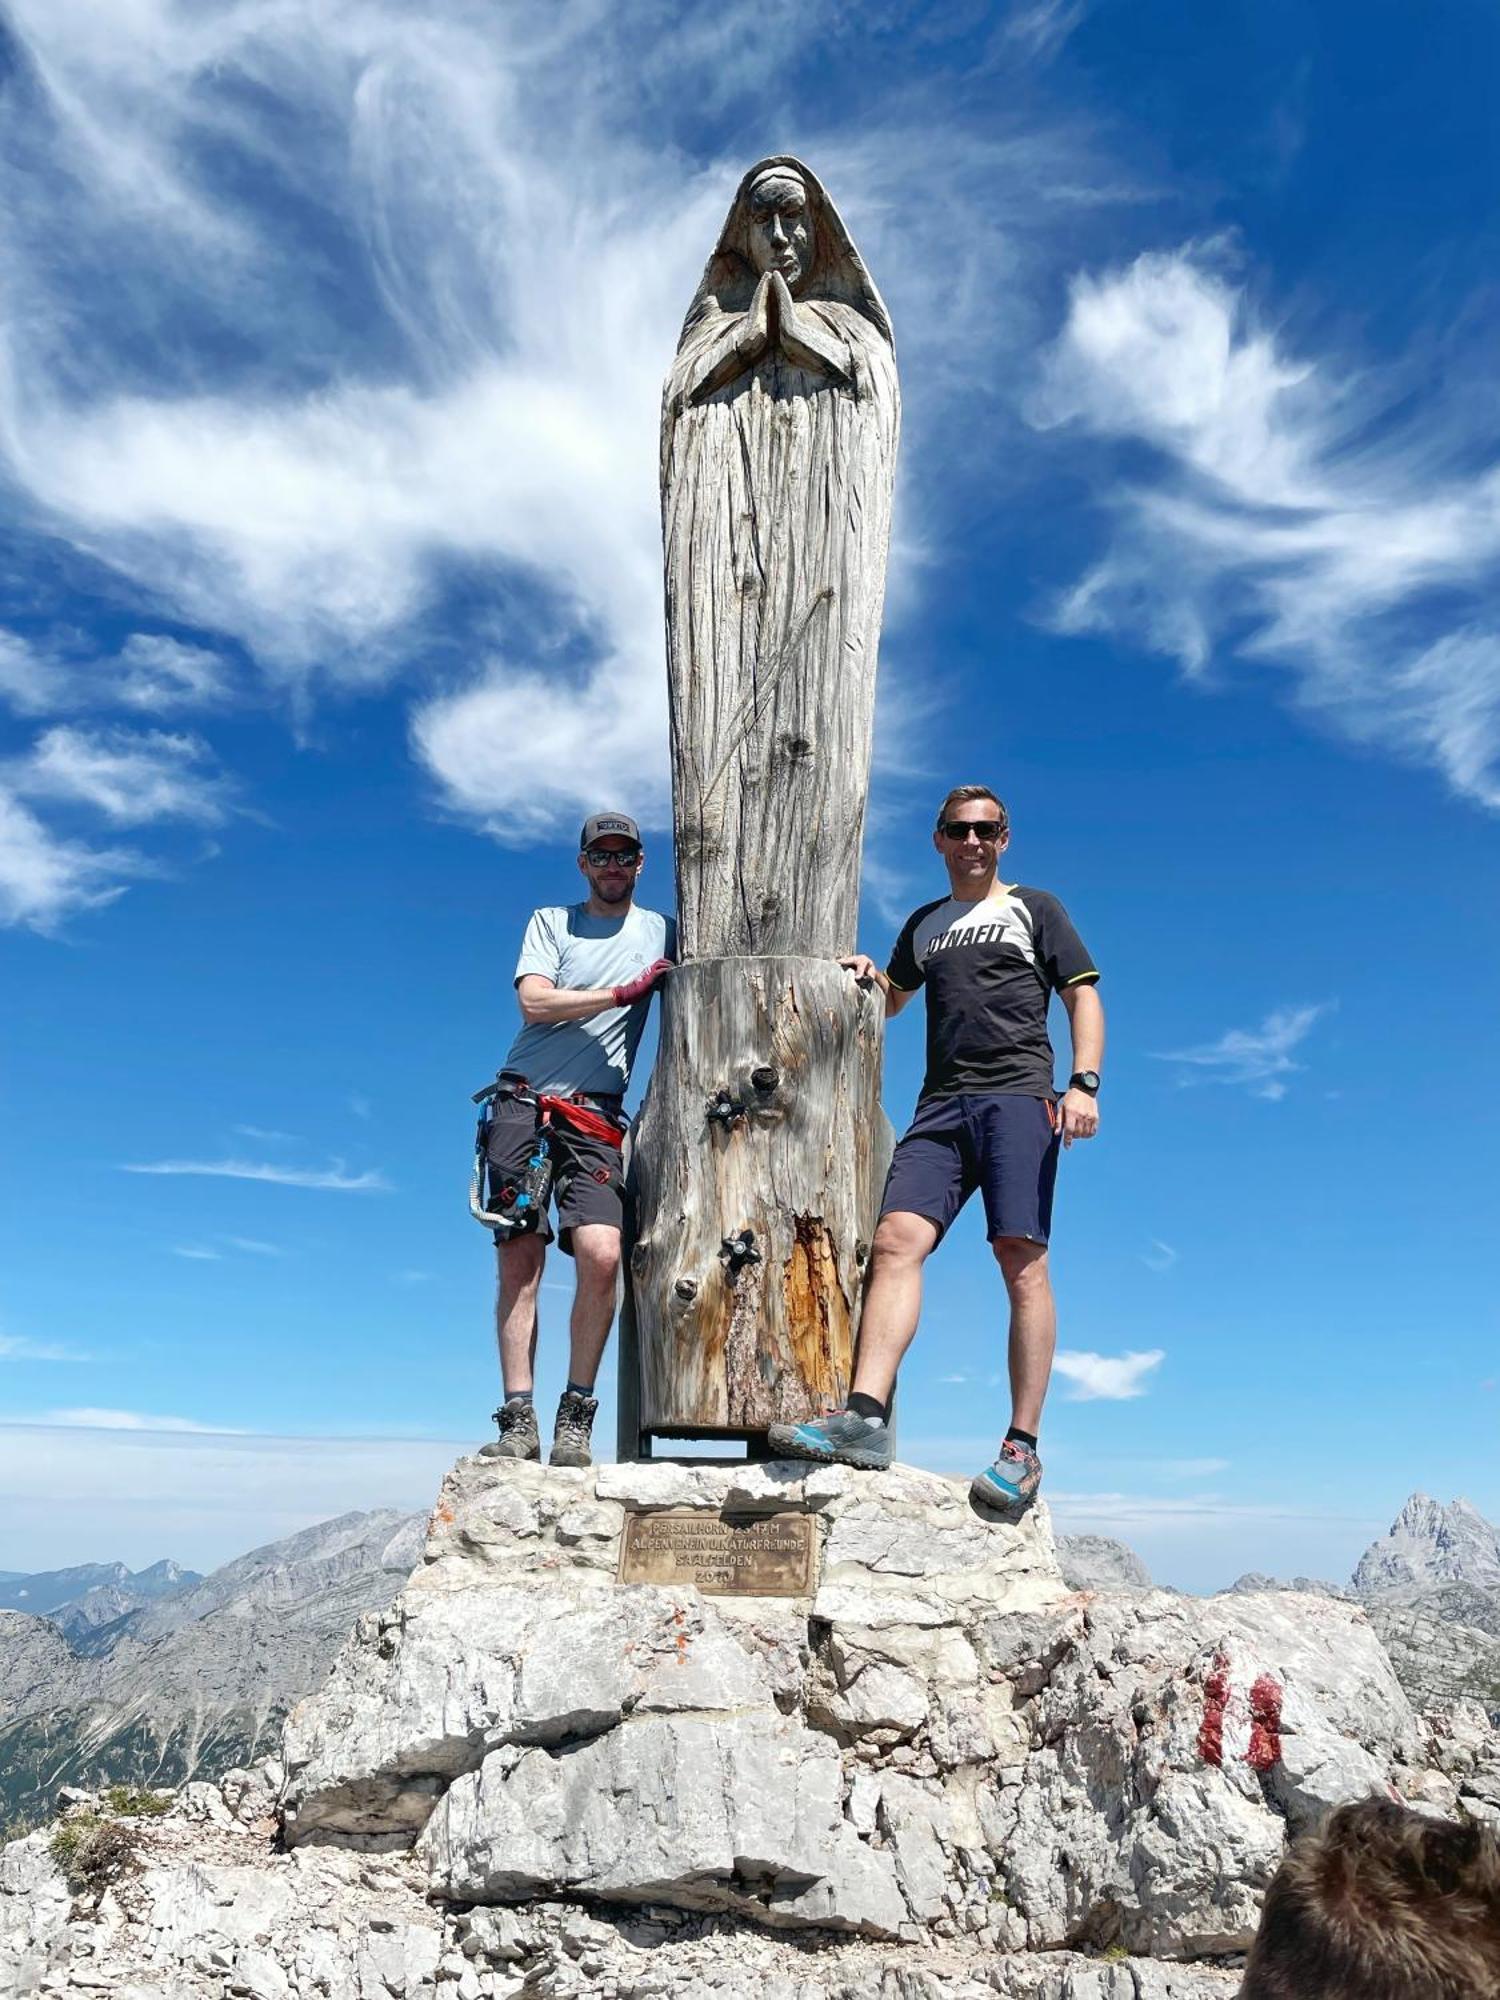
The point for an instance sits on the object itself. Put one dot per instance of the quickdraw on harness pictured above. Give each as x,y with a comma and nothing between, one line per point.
520,1205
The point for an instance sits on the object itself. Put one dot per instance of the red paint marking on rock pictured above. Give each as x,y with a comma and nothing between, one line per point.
1265,1724
1215,1700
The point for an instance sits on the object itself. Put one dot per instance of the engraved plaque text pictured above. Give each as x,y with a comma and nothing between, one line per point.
740,1555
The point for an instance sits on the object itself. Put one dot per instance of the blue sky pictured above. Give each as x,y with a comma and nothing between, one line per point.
330,349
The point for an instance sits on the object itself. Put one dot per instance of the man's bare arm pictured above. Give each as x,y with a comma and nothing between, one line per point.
543,1005
868,972
1080,1112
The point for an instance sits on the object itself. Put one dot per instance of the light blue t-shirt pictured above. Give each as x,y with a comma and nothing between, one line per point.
574,950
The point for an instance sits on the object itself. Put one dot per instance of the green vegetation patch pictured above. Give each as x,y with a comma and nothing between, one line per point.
95,1853
135,1802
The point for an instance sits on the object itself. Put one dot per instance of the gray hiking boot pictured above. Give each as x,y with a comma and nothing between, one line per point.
838,1437
518,1433
574,1430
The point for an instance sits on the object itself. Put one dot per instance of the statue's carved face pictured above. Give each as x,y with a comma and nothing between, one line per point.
781,228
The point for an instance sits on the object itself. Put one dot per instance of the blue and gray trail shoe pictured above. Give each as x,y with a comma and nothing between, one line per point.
1011,1482
838,1437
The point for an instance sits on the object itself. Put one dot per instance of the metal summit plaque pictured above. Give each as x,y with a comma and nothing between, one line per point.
736,1555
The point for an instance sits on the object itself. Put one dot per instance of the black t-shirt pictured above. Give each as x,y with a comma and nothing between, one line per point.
989,968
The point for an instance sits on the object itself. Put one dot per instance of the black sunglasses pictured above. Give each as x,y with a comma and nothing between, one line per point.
604,857
982,829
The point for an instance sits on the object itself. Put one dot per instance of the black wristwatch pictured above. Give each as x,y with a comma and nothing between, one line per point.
1085,1079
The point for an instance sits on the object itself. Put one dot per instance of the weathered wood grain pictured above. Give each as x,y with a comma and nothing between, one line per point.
794,1047
778,458
780,420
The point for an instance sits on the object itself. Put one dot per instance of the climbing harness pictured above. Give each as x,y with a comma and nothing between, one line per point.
518,1206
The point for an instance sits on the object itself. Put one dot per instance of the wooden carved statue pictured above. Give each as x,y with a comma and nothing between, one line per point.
760,1150
778,451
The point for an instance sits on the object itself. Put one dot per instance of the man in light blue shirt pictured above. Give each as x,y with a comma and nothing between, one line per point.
584,981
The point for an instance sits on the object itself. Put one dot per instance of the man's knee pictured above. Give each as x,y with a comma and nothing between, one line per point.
903,1238
596,1252
520,1264
1023,1264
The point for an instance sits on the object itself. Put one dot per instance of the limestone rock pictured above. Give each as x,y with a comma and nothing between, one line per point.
1099,1562
1428,1544
946,1742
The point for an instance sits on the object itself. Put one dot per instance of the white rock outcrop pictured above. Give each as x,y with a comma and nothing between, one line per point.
946,1741
943,1775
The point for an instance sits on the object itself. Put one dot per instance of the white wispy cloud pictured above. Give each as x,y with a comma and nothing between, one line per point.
126,1420
20,1347
1259,1059
46,878
1287,513
459,370
267,1135
335,1177
161,674
130,777
152,672
1160,1257
198,1253
1041,27
32,682
1114,1378
254,1247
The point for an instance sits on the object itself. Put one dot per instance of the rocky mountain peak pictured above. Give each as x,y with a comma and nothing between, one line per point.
1429,1544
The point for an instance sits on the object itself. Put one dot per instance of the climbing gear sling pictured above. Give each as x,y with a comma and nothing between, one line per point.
518,1207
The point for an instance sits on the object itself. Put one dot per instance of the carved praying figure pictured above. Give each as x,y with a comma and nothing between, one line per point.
779,429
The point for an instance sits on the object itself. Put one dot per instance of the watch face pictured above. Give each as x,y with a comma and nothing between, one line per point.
1087,1079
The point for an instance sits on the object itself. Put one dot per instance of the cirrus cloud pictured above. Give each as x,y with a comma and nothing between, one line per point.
1284,513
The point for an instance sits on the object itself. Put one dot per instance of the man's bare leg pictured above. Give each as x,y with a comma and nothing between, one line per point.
893,1300
520,1277
596,1256
1033,1326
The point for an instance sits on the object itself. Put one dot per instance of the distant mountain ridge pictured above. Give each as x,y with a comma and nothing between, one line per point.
197,1678
91,1594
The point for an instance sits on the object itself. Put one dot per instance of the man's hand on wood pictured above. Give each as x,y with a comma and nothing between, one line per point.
637,988
1079,1116
863,968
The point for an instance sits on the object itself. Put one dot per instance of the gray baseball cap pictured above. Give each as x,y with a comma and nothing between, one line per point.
599,826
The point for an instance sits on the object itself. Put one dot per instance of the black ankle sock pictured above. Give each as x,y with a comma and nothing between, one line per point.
866,1406
579,1389
518,1395
1015,1436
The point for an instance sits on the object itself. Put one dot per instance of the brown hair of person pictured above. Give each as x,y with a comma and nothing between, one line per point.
962,794
1381,1903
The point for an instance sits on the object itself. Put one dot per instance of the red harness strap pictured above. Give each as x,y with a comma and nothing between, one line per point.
593,1124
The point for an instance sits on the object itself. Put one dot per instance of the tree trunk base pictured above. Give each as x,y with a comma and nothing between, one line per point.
756,1169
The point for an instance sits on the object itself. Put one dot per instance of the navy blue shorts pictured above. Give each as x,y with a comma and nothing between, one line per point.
1002,1144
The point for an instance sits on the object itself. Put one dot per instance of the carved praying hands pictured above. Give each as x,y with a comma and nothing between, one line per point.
775,322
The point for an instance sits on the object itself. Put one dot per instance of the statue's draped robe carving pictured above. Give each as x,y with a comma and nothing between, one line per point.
776,494
752,1225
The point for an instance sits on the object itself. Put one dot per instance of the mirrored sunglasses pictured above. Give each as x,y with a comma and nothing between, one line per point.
605,857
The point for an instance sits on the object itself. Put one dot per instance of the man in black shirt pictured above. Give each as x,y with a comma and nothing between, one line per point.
990,955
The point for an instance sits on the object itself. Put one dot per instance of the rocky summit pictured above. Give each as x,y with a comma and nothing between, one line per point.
1431,1544
942,1771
